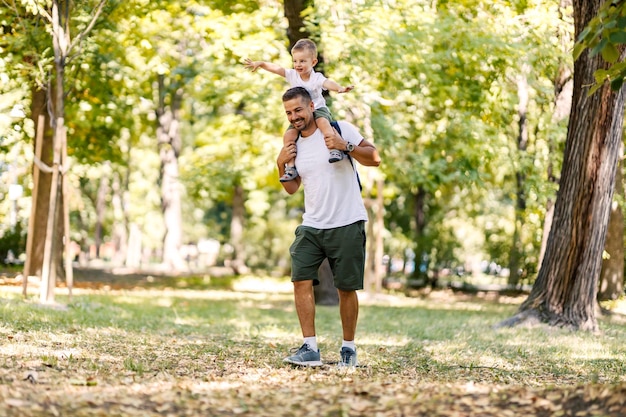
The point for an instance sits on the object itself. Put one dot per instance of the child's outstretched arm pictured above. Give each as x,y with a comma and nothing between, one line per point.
333,86
267,66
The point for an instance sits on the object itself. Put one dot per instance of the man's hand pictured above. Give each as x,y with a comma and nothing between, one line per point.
335,141
287,153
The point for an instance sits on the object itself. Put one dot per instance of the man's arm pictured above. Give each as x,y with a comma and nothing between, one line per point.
286,154
365,152
267,66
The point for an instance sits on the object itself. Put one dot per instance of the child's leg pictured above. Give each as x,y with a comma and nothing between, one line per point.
290,137
324,125
327,130
291,173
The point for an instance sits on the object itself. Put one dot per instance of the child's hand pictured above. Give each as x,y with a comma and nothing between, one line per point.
252,65
346,89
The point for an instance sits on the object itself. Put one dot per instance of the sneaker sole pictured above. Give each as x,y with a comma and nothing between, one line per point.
308,363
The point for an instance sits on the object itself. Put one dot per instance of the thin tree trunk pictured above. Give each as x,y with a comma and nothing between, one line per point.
53,247
170,143
120,225
325,293
101,204
236,231
516,253
565,291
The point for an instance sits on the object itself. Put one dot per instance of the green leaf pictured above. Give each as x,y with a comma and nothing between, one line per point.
578,50
600,75
621,23
610,53
599,47
616,84
618,37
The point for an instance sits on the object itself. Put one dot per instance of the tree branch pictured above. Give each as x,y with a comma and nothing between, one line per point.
94,19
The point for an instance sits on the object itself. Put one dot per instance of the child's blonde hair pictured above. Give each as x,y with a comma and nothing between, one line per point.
305,45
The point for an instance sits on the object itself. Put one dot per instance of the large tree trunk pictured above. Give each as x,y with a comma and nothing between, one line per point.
565,291
612,276
41,196
170,143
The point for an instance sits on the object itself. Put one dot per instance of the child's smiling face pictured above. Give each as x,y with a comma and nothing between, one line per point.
303,62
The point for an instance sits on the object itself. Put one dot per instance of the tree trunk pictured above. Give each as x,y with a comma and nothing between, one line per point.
421,252
612,276
238,262
325,293
565,291
296,30
293,12
34,251
101,205
54,243
170,143
516,253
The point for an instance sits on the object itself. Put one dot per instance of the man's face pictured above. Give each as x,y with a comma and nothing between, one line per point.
299,112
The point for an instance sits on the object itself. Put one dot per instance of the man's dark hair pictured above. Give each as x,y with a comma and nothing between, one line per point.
297,92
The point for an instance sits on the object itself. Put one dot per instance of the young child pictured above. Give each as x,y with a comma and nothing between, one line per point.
304,54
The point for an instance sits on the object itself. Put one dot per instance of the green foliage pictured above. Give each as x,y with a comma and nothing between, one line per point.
605,34
13,240
435,91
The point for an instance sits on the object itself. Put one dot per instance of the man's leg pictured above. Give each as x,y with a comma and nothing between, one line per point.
305,306
349,312
308,354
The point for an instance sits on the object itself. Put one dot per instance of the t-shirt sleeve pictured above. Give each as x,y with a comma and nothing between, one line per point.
290,76
350,133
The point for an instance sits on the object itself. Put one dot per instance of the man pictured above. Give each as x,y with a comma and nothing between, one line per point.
332,225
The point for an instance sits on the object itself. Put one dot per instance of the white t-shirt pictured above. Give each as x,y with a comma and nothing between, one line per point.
332,197
314,86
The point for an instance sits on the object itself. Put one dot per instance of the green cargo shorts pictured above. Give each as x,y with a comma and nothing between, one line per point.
343,246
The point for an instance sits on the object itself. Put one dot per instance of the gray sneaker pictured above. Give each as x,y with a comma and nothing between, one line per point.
348,357
335,155
304,356
291,173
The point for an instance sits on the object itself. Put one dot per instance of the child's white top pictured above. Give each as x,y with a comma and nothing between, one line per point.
314,85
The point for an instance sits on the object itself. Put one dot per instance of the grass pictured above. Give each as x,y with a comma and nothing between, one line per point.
195,341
